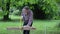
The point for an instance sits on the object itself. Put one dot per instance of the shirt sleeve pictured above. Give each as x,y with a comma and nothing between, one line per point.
30,18
22,13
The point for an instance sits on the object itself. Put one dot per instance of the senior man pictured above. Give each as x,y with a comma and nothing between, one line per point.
27,15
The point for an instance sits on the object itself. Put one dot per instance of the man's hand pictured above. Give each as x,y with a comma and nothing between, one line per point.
21,17
26,27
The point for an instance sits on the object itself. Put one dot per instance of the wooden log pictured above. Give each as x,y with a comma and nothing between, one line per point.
21,28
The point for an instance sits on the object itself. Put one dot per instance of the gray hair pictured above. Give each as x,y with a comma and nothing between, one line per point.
26,7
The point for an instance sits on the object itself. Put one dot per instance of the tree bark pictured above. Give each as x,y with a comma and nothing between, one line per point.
6,17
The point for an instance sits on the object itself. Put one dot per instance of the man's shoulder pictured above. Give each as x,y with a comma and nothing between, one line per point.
31,12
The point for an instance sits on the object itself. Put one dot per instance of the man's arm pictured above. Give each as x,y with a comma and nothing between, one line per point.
30,18
22,13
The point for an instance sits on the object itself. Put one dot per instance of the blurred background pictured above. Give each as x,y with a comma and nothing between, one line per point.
46,15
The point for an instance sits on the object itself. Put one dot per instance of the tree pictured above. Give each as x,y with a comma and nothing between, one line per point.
43,9
6,4
6,8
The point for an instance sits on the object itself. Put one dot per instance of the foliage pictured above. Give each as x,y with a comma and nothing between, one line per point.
48,8
58,1
43,9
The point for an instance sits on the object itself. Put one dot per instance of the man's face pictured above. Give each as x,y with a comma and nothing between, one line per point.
26,11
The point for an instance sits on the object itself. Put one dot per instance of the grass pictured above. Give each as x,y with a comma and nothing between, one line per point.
42,26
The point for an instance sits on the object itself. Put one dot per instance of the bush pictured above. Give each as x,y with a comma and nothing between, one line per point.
43,9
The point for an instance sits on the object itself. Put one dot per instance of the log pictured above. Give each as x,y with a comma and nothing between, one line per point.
21,28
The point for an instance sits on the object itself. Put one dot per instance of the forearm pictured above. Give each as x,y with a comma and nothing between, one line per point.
30,22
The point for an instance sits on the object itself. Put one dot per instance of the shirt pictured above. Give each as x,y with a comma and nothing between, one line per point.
28,17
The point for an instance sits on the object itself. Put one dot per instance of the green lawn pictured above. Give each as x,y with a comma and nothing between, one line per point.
42,27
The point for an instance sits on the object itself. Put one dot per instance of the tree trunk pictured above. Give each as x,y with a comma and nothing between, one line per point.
6,17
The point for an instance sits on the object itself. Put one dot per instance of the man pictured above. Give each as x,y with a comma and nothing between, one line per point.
27,15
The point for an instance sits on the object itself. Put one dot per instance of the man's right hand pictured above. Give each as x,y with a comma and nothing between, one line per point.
21,17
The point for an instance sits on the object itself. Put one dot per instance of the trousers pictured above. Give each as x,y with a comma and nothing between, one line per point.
26,31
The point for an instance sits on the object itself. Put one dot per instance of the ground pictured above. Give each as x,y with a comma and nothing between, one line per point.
42,26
